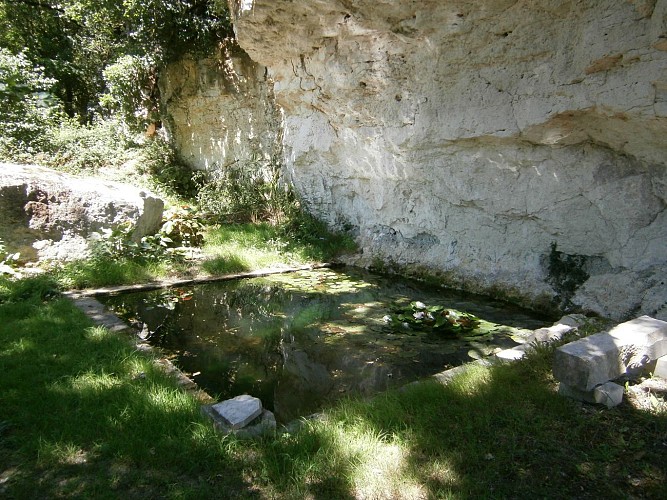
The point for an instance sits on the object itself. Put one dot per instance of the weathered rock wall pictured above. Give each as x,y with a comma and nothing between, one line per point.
221,111
468,137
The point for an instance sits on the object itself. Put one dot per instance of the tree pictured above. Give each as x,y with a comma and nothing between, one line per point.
76,40
28,107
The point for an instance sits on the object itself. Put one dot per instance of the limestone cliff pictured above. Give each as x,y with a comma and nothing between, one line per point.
468,137
221,111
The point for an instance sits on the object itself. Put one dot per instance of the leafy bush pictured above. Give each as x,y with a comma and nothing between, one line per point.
246,193
107,145
89,148
27,108
117,243
132,92
183,226
167,173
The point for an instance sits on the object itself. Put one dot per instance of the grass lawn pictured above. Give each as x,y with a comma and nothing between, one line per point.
229,248
85,415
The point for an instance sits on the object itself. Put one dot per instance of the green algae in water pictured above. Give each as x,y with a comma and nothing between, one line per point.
299,341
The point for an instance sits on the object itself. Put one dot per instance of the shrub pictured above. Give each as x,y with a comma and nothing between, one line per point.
250,192
89,148
132,92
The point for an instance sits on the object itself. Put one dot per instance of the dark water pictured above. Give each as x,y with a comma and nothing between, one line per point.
301,340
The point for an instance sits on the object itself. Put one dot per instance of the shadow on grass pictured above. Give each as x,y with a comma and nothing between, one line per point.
82,414
498,433
85,415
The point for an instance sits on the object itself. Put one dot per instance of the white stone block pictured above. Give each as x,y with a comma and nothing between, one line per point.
594,360
608,394
512,354
239,411
661,368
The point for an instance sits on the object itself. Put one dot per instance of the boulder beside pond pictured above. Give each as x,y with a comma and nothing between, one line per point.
50,215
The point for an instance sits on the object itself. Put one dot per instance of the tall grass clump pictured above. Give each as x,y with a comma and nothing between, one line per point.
252,205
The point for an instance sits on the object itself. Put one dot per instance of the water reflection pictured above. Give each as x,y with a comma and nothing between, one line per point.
300,340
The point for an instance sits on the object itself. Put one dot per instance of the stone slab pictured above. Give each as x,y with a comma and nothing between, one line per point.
512,354
239,411
608,394
594,360
263,425
661,368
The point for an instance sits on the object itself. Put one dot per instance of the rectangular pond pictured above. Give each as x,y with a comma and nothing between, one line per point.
299,341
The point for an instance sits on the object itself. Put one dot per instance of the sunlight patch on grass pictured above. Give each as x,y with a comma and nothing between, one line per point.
64,453
20,346
472,381
377,464
97,333
383,471
244,247
170,400
91,382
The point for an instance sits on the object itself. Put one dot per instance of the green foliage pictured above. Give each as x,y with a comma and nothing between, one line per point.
168,28
87,149
131,90
183,226
75,40
438,318
107,146
38,288
27,108
246,193
255,193
167,173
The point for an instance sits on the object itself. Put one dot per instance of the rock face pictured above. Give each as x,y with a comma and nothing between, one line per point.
467,137
221,110
46,214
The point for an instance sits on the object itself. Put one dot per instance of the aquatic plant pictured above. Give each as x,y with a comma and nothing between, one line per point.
437,318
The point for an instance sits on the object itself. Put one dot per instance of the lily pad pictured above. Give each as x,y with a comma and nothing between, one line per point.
418,316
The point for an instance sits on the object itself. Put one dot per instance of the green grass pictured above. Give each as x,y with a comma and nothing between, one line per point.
101,271
227,249
85,415
246,247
